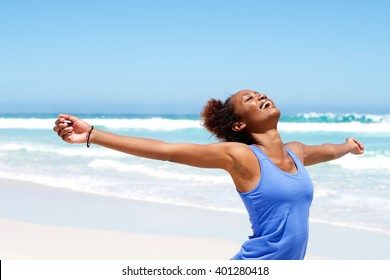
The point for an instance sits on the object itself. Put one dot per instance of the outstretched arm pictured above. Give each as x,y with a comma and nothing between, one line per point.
316,154
74,130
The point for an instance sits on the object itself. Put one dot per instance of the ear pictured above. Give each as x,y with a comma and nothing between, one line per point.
238,126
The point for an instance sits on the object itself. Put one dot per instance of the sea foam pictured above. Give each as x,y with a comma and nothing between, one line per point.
296,123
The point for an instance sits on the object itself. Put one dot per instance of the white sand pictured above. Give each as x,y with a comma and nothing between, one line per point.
32,241
40,222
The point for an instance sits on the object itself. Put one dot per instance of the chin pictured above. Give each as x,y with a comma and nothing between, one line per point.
276,112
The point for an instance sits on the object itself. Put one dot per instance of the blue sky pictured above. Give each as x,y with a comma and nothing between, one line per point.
172,56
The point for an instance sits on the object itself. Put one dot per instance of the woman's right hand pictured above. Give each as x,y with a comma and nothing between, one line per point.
72,129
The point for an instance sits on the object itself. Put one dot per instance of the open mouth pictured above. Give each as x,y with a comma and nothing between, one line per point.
266,105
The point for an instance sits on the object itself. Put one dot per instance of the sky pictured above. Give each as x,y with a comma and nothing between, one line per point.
172,56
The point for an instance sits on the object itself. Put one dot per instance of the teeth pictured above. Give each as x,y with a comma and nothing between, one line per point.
265,104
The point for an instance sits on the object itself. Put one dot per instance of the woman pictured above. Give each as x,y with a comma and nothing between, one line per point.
269,175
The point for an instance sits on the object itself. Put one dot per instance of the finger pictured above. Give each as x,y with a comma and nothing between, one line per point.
359,145
60,121
65,124
64,116
361,148
56,128
67,117
64,131
67,137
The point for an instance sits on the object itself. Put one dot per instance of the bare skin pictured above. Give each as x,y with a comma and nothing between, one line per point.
258,115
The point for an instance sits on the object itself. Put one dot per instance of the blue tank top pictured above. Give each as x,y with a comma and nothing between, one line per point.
278,210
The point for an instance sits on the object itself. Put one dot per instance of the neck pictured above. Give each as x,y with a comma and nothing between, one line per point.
270,142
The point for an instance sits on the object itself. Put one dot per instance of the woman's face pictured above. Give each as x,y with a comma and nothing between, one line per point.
255,110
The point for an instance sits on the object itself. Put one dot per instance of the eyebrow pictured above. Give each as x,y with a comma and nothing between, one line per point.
249,93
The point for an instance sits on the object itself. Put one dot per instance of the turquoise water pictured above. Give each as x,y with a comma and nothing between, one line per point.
353,191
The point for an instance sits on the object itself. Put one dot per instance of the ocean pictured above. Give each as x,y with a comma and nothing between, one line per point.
352,191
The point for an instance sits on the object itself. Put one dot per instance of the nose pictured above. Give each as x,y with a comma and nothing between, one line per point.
262,96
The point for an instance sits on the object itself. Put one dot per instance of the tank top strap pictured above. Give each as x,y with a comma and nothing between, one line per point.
297,161
258,152
291,152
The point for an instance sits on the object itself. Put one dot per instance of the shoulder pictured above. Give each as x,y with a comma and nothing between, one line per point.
231,146
245,170
237,150
239,153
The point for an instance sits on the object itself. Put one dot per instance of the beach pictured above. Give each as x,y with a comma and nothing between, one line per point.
42,222
33,242
60,201
39,222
